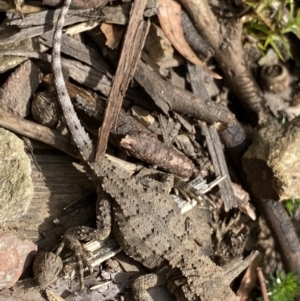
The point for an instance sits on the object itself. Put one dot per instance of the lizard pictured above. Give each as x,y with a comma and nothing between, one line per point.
145,221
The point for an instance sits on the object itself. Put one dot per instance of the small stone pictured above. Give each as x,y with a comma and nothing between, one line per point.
272,162
15,182
46,268
15,255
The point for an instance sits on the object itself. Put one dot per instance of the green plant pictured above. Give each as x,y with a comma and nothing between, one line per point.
283,287
291,205
269,23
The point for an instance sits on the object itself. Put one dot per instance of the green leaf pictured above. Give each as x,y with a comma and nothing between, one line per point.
283,287
291,205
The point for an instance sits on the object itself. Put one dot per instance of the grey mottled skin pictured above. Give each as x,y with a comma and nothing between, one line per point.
146,221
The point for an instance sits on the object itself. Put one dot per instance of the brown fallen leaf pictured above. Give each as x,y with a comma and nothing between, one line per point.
113,34
17,4
169,15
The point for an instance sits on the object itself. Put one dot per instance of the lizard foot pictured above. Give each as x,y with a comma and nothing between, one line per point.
72,239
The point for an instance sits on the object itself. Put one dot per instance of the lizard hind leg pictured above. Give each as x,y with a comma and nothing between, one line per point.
73,237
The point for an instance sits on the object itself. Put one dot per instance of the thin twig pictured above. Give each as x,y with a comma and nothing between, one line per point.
262,283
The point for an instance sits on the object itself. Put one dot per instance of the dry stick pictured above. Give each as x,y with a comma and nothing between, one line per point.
262,283
151,150
134,41
35,131
228,51
168,97
217,157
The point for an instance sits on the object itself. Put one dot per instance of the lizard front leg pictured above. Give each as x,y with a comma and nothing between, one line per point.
73,237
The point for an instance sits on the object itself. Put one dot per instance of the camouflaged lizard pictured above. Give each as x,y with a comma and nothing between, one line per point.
145,221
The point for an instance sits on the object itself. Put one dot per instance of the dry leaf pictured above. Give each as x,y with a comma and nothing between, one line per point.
169,15
113,34
17,4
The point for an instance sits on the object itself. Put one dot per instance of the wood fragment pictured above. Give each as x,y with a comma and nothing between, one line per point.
80,52
113,34
83,74
236,266
242,198
19,88
151,150
215,150
197,80
38,132
77,3
131,51
7,6
15,35
169,97
9,62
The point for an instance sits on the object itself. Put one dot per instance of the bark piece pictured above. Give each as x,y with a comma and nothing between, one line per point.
218,159
151,150
77,3
131,51
80,52
19,88
16,185
9,62
44,18
15,255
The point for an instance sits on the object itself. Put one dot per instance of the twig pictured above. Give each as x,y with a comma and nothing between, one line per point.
35,131
134,41
168,97
262,283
